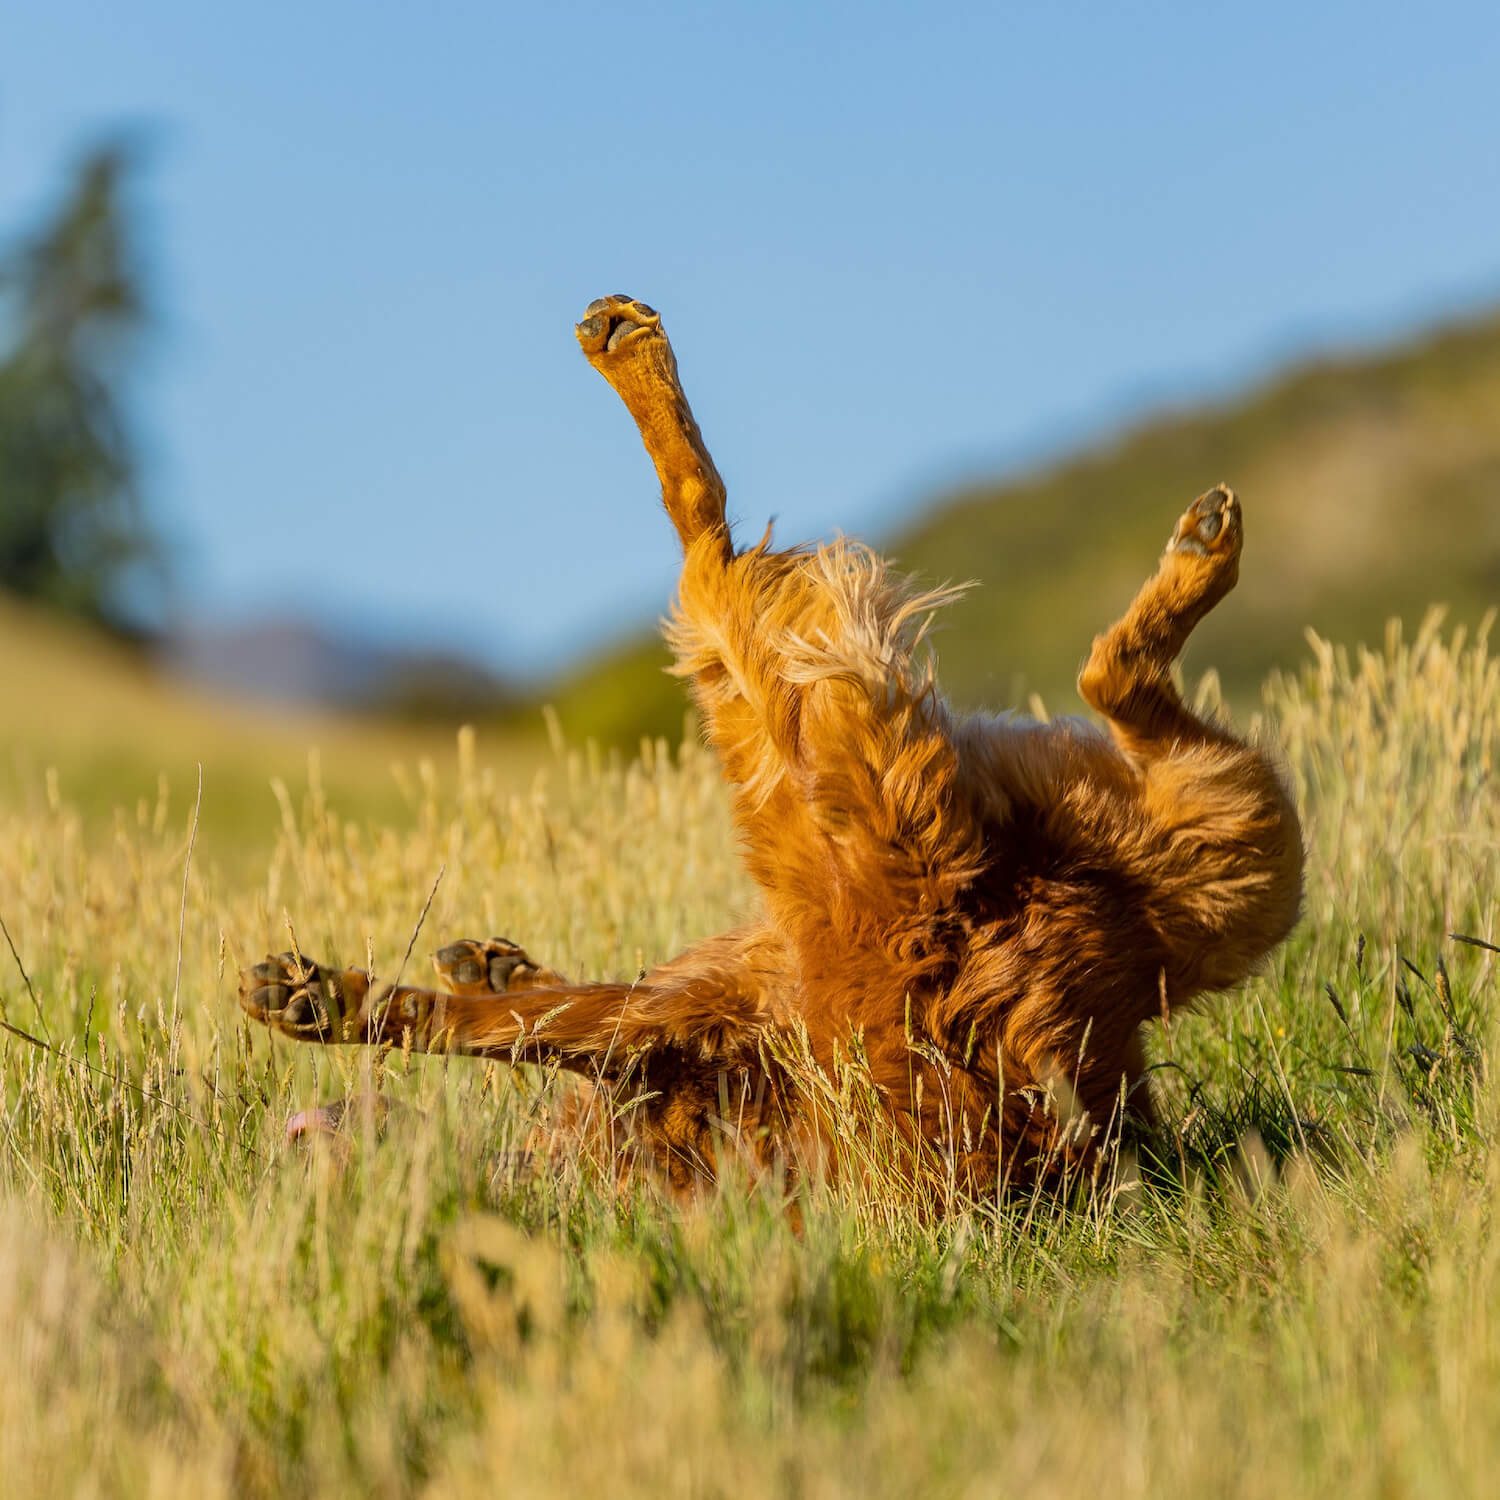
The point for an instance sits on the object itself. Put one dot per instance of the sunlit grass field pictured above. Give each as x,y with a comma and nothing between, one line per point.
1296,1291
95,718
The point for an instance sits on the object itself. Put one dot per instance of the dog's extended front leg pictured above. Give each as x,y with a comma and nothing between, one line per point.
710,1004
470,968
586,1027
677,1048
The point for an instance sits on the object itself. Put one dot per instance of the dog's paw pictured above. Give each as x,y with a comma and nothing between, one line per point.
474,966
609,323
301,999
1211,526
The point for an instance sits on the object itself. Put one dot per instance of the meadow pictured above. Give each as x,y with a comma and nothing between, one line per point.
1294,1288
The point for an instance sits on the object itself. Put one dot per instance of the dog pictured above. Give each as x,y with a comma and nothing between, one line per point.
979,912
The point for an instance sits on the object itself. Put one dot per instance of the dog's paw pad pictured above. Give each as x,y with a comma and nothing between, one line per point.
1211,525
291,994
609,322
488,967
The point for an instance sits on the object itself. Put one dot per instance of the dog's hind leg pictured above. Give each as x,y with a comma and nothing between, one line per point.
624,341
806,667
1128,674
1223,869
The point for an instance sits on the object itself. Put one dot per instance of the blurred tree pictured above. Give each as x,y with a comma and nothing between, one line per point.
71,526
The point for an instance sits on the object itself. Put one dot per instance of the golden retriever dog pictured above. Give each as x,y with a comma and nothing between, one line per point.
982,912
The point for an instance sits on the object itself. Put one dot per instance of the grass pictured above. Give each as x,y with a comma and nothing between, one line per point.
94,717
1298,1291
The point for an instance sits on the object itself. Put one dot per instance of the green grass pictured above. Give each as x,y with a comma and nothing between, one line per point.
1296,1290
91,720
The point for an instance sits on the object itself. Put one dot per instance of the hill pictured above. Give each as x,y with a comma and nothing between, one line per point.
292,660
120,733
1371,487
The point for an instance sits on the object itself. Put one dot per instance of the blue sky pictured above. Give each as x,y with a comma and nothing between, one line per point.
895,245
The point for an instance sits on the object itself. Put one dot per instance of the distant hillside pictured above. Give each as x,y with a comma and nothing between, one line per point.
116,729
289,660
1371,487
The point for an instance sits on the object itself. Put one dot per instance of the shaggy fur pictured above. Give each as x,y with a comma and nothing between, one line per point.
984,911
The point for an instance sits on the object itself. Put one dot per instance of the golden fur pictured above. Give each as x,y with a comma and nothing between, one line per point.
985,910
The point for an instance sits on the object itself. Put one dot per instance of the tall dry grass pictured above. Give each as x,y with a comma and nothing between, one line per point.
1297,1291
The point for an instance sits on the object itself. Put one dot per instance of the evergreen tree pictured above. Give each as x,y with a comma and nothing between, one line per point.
70,516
